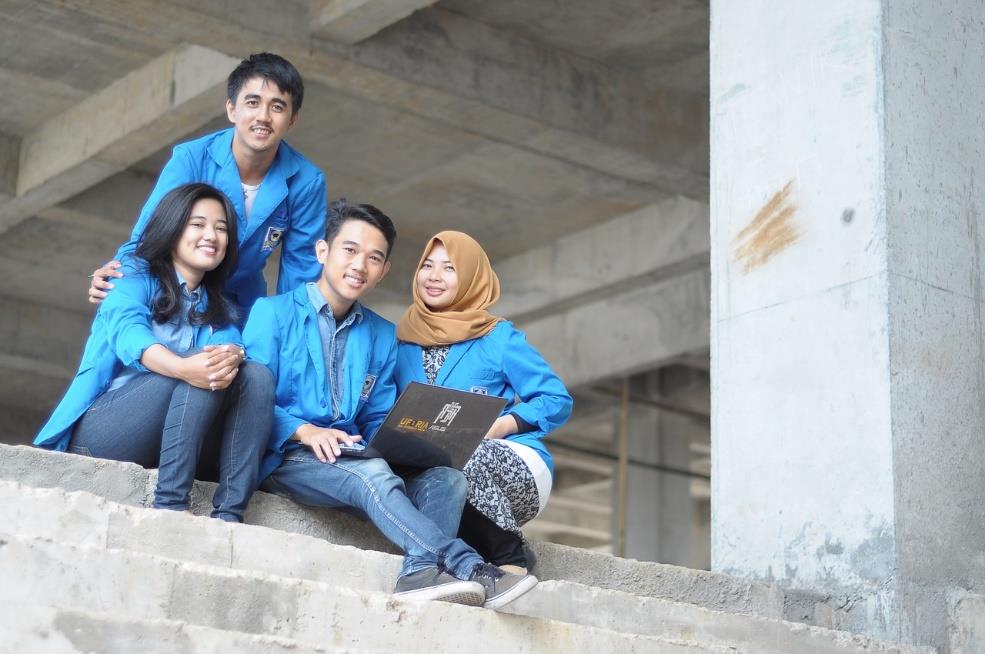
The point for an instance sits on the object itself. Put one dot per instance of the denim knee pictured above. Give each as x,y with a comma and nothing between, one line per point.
454,481
256,379
376,473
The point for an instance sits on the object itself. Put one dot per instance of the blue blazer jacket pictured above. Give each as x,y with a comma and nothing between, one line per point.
121,331
289,209
282,333
500,363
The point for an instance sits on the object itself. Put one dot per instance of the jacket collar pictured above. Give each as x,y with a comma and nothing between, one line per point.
273,188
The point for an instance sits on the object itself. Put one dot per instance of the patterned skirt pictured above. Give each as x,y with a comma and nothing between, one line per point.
508,483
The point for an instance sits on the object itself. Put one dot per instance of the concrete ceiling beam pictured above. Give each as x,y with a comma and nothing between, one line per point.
116,127
451,69
656,242
49,337
352,21
625,333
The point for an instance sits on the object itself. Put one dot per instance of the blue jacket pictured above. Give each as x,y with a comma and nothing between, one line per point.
282,333
500,363
289,208
121,331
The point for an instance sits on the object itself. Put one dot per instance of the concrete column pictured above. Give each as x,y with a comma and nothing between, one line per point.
848,352
660,513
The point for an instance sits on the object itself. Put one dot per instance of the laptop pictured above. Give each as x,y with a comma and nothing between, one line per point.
431,426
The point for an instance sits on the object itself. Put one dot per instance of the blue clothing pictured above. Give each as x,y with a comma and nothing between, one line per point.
177,334
289,209
282,333
333,338
417,511
500,363
121,331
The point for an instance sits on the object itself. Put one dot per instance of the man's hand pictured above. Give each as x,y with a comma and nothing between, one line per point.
100,284
324,442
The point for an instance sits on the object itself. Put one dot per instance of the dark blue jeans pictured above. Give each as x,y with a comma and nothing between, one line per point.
418,511
157,421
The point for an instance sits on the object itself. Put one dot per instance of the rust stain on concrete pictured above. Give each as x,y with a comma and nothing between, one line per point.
770,232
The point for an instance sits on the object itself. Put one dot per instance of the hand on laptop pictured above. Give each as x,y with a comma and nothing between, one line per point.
324,442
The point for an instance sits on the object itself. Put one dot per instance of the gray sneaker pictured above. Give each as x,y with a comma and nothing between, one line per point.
501,587
433,584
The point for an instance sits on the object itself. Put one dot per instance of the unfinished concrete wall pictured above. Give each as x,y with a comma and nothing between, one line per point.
935,208
846,309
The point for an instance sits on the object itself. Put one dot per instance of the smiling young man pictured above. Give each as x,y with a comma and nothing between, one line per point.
279,196
333,361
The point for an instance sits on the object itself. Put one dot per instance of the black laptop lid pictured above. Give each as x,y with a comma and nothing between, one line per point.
433,425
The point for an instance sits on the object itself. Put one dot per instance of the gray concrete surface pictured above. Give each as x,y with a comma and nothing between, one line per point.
847,339
85,521
51,630
131,485
310,612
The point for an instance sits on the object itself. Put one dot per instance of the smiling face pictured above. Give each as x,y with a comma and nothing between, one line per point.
202,244
262,116
352,264
437,280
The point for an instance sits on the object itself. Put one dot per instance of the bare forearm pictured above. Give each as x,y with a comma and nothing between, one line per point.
503,427
163,361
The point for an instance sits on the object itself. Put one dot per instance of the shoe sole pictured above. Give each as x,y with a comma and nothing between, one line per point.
469,593
508,596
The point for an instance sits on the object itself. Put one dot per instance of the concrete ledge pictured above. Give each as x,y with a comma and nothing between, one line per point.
132,485
80,519
40,572
65,631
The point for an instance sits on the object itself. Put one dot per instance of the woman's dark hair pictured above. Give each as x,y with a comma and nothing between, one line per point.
158,241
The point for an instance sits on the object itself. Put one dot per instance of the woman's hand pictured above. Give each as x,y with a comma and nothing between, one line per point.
323,441
503,427
224,362
214,368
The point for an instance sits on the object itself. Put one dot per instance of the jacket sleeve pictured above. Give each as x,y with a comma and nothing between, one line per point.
381,398
228,334
297,258
261,338
177,171
127,316
544,401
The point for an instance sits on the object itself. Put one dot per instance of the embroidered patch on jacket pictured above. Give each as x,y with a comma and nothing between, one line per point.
272,238
479,390
368,384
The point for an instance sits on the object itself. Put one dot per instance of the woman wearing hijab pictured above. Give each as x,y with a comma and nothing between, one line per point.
449,338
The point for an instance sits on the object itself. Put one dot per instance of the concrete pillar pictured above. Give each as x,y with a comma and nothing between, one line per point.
848,352
660,512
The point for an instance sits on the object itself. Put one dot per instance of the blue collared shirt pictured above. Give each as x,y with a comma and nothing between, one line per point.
333,337
178,334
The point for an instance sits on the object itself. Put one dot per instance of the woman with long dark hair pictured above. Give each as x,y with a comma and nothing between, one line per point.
163,377
449,338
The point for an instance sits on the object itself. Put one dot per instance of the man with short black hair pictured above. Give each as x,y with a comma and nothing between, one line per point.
333,361
279,196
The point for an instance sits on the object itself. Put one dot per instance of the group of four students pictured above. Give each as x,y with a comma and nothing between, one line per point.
168,379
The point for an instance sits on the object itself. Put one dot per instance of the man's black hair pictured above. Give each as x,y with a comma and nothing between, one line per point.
272,68
341,210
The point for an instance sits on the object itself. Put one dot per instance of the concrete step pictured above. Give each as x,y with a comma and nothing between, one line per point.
51,630
132,485
135,585
83,519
